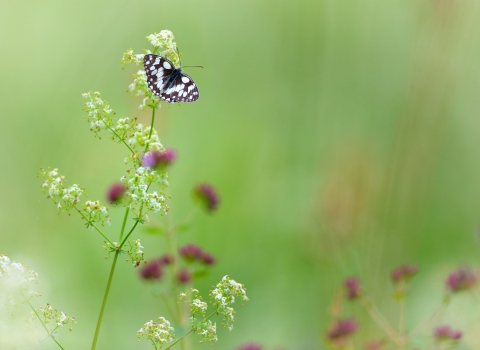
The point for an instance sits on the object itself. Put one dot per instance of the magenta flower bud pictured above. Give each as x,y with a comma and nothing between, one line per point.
462,279
166,259
191,252
353,287
159,159
341,330
115,192
250,346
445,332
208,196
184,276
207,259
151,270
404,272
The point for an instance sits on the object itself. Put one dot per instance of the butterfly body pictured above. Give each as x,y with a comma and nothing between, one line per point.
167,81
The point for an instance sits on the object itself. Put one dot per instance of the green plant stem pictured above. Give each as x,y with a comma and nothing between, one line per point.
401,322
41,321
190,331
380,320
110,277
105,298
151,130
94,226
431,319
170,236
124,224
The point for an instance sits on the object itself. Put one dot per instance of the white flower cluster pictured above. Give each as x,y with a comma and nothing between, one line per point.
49,315
158,333
141,137
139,88
17,279
129,57
67,198
95,212
163,45
99,115
224,295
208,331
138,197
135,252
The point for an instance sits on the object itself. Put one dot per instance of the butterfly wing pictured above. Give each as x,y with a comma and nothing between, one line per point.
183,90
158,70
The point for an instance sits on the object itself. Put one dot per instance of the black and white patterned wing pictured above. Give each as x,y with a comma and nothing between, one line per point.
158,69
168,82
184,89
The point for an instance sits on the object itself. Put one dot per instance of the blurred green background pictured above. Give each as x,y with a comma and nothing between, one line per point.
343,138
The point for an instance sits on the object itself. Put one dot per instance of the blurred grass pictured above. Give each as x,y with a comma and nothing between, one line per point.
343,138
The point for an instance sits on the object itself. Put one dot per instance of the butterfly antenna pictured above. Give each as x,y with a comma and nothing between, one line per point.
178,53
193,66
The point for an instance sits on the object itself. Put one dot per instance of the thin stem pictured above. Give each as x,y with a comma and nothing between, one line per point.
401,321
94,226
105,298
128,234
190,331
151,130
124,223
41,321
380,320
431,319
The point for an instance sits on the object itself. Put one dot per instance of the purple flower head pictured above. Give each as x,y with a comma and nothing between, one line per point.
340,330
151,270
445,332
353,287
166,259
462,279
159,159
250,346
184,276
404,272
115,192
207,259
208,196
191,252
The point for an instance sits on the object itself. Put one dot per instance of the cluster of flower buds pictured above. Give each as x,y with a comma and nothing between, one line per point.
207,196
445,333
153,270
159,160
462,279
190,253
339,333
193,253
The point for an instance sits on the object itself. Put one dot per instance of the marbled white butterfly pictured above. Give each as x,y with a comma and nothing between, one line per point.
168,82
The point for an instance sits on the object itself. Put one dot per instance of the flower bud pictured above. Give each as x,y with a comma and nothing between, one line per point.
151,270
115,192
159,159
184,276
404,272
462,279
191,252
341,330
208,196
353,287
207,259
445,332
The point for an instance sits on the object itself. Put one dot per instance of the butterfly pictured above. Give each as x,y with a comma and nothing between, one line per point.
168,82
